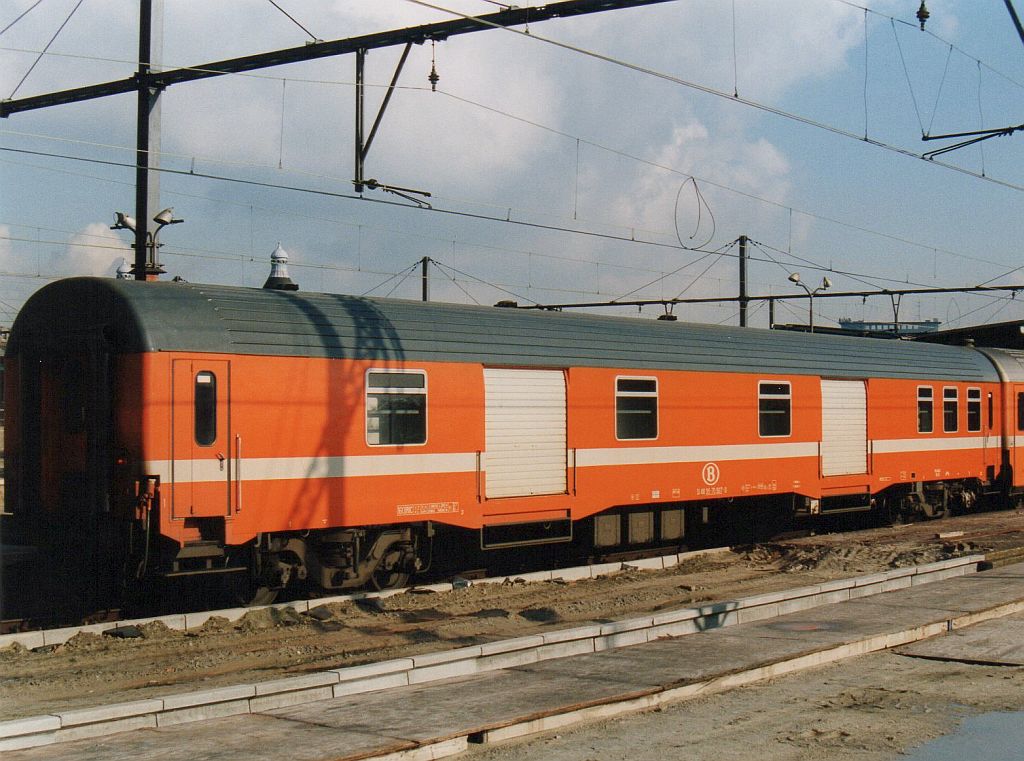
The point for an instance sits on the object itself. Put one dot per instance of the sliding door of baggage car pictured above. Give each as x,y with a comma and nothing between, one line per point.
844,428
201,438
525,432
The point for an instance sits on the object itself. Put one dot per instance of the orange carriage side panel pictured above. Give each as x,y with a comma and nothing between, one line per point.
708,444
298,452
902,453
302,459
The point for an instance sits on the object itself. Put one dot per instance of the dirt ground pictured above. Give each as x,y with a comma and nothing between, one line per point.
267,643
872,708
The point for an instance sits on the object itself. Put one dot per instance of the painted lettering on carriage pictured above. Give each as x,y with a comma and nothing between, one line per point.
712,491
429,508
760,486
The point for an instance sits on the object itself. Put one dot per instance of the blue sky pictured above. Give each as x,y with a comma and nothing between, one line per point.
555,176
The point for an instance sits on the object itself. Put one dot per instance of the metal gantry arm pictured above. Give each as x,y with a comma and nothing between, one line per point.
363,147
418,34
975,136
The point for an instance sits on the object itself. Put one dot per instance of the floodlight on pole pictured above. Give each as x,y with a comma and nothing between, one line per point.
825,285
166,217
123,222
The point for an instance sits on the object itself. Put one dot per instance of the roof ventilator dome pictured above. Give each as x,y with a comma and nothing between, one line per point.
279,279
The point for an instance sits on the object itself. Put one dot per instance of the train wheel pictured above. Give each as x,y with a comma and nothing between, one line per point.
392,570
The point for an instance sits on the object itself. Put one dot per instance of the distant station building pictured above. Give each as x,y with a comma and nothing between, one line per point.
869,328
864,327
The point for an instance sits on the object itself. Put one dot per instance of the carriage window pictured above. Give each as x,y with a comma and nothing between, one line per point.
206,408
774,409
396,408
950,410
974,409
924,409
636,408
990,410
1020,410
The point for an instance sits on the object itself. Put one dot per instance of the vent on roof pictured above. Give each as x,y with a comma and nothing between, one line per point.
279,279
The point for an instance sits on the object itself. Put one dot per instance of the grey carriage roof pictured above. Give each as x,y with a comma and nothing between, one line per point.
1009,361
166,316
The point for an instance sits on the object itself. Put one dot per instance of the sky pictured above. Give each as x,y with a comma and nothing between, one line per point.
616,156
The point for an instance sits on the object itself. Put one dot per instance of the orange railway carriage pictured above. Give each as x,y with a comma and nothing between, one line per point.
167,429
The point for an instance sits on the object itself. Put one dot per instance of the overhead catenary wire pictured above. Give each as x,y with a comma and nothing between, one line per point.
294,20
932,34
715,92
708,90
624,154
938,94
443,268
45,48
600,146
440,210
22,15
906,73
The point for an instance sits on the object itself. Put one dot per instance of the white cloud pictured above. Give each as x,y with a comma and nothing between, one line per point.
94,250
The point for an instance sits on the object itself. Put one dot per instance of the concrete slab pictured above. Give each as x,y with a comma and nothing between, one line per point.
233,739
964,593
374,669
30,725
433,712
1006,572
292,683
999,642
28,640
108,712
371,684
209,697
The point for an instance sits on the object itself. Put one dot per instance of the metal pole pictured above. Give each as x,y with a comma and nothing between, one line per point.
424,278
771,313
810,309
1016,20
360,65
743,281
146,101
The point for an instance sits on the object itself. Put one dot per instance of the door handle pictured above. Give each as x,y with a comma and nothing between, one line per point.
220,458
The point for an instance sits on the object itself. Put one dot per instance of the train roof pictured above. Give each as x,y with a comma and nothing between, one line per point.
135,317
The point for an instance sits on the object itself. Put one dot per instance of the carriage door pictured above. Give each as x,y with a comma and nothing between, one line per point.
201,455
1017,439
525,432
844,428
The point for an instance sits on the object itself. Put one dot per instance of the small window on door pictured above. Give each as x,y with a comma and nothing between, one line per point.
950,409
974,409
1020,410
205,408
924,409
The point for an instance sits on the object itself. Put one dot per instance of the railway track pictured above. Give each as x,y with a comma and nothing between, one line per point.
100,621
1009,544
